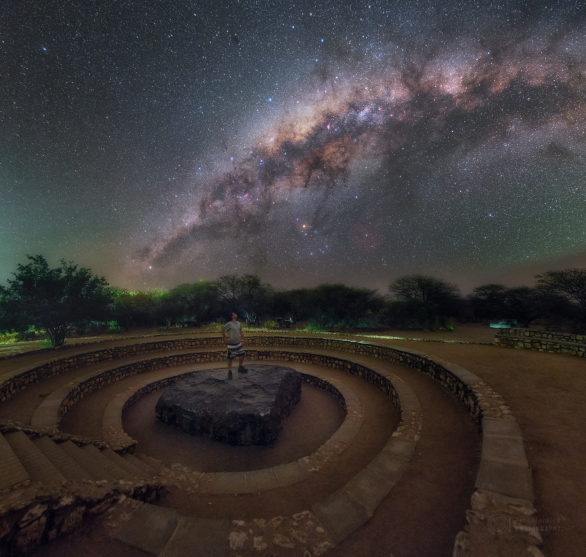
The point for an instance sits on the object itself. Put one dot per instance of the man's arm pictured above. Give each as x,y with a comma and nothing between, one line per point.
223,330
242,337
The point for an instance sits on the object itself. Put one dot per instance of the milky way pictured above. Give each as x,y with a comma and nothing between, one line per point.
404,145
417,121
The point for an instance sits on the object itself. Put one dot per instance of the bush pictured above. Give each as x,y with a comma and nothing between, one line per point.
9,338
30,334
113,327
409,314
314,326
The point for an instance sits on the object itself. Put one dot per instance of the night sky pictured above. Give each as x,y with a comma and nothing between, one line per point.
160,142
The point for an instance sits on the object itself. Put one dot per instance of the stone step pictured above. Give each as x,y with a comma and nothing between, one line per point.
149,529
86,461
149,470
163,532
106,463
12,472
152,462
38,466
198,537
61,460
134,471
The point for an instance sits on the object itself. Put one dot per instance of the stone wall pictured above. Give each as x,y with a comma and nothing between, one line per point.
83,388
545,335
19,379
504,487
41,513
543,341
325,386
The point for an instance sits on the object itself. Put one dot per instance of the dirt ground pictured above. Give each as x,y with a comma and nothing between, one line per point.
546,393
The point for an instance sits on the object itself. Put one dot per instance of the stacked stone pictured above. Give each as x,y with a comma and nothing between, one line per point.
504,487
542,341
40,513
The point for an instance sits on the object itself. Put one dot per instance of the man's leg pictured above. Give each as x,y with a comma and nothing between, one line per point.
241,359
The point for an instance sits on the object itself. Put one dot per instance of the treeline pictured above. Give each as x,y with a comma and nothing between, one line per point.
70,299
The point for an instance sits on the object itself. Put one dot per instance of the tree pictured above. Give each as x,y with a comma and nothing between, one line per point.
409,314
198,301
523,303
246,295
51,299
254,298
330,305
228,288
443,295
571,284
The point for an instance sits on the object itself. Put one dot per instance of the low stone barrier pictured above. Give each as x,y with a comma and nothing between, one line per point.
504,486
462,383
118,440
58,403
543,341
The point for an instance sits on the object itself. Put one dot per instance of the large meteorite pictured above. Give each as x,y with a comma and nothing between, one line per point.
248,409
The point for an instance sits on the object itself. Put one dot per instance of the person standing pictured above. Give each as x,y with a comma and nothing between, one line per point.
233,335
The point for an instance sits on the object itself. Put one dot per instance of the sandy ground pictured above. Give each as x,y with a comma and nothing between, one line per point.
547,394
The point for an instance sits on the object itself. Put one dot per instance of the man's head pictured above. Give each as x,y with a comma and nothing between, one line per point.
234,316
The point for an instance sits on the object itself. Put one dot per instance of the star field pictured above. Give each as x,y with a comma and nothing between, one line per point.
160,143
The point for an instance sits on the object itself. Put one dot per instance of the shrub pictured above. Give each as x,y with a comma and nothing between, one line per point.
113,327
9,338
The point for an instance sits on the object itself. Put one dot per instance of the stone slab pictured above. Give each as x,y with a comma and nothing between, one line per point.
368,488
347,431
340,515
198,537
350,397
12,471
37,465
505,478
407,398
66,465
398,447
149,529
504,449
389,465
290,473
47,413
261,480
228,482
502,428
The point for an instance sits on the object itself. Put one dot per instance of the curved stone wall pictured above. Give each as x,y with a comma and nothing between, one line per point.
466,386
504,485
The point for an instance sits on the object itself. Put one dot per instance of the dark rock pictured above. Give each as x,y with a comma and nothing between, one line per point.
247,409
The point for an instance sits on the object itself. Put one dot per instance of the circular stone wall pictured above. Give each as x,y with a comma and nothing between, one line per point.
312,422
